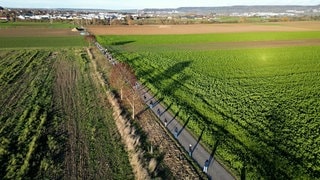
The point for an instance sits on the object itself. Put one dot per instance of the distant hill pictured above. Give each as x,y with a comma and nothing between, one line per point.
1,8
238,9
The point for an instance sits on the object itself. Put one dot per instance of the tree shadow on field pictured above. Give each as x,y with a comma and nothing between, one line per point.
199,139
277,124
220,137
184,126
119,43
165,110
266,160
157,102
175,115
168,74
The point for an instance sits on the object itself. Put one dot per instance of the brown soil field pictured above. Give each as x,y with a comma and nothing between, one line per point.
36,32
205,28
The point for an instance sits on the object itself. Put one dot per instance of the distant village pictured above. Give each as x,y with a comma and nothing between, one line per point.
232,14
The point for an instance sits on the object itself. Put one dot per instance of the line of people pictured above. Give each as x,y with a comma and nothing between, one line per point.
176,131
106,54
151,105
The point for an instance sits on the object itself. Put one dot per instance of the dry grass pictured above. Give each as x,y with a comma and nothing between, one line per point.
130,139
128,134
152,165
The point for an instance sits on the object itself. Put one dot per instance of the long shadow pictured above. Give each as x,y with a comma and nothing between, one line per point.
145,92
168,74
213,152
171,87
184,126
176,84
157,102
162,171
146,74
122,43
243,172
168,107
199,139
175,115
173,70
146,100
267,166
142,111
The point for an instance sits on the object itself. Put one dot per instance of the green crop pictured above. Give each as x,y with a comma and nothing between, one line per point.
53,122
259,106
195,39
36,42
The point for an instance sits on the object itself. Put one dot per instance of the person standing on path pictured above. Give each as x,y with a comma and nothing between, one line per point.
176,132
190,150
165,122
206,165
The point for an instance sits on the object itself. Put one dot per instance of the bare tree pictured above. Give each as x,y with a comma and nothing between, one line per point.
123,78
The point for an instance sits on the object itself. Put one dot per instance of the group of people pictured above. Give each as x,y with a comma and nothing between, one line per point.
176,133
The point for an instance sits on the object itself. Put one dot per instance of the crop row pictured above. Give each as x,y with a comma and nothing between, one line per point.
54,121
40,42
259,105
197,39
95,149
25,83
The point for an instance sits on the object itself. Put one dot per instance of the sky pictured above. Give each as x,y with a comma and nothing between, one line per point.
140,4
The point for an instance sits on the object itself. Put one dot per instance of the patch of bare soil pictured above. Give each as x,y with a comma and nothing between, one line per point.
204,28
76,157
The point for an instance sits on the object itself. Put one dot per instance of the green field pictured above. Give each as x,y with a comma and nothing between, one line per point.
55,120
259,107
42,42
54,123
143,40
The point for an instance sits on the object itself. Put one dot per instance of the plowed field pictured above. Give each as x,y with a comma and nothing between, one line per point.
205,28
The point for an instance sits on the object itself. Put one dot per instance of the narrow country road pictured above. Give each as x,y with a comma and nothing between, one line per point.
215,170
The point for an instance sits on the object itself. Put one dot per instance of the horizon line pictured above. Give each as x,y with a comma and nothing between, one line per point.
83,8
